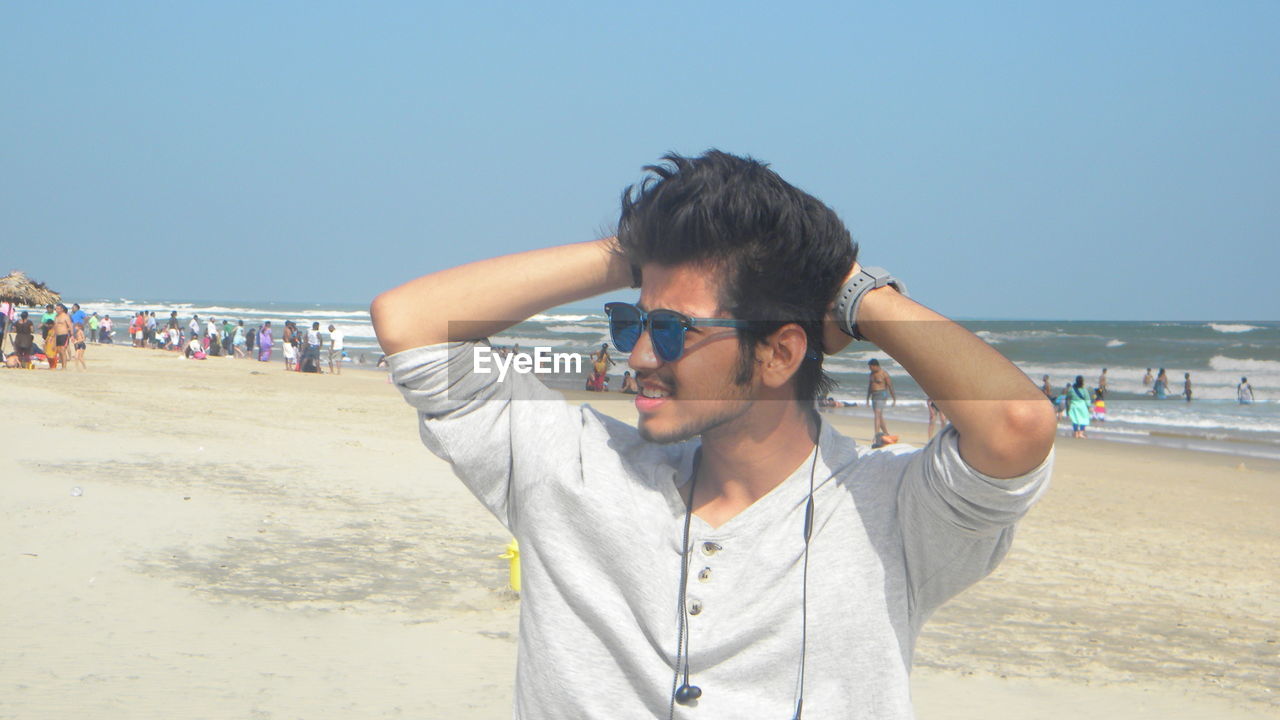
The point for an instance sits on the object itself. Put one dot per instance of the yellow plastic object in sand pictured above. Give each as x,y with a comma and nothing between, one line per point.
513,554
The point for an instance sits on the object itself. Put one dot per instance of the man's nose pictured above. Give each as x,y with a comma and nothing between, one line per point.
642,356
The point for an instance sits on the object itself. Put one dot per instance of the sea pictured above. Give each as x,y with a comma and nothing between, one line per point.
1217,354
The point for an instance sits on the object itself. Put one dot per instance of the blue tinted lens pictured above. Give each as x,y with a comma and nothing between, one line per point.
667,333
624,325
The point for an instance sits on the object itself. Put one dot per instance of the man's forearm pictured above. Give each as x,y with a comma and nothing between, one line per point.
488,296
1006,427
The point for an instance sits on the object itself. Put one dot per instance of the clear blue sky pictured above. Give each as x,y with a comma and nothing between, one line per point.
1033,160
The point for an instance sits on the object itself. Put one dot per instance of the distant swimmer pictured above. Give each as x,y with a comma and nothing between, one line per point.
1102,382
1046,388
1146,379
1186,386
1244,392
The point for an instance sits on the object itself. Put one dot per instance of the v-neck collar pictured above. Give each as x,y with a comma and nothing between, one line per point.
793,491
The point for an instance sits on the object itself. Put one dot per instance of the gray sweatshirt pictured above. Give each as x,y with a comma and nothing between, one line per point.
599,518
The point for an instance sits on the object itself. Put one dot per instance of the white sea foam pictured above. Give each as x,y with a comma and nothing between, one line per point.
574,330
543,318
1116,343
1155,417
1233,327
528,342
1244,365
856,362
995,337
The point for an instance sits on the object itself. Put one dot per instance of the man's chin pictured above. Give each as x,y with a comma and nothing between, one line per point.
656,431
653,432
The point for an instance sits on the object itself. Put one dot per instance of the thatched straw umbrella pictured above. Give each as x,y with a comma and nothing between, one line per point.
19,289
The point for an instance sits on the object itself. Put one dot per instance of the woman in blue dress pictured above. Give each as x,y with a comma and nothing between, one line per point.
1078,407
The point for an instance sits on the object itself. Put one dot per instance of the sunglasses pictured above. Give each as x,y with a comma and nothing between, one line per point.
666,328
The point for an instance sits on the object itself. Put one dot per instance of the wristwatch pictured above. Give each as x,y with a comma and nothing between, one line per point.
852,292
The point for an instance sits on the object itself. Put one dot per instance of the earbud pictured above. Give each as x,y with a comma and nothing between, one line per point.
687,693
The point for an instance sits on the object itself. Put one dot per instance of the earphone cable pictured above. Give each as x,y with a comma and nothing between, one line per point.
681,647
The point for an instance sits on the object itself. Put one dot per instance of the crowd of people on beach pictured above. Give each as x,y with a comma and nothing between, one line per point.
1082,405
63,335
1075,402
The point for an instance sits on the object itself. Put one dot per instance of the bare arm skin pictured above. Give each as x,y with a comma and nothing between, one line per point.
488,296
1005,423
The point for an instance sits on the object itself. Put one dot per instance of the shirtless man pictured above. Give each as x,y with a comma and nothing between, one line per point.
879,387
1046,388
62,335
1186,385
1102,382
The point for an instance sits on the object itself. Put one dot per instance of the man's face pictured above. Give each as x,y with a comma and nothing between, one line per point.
696,394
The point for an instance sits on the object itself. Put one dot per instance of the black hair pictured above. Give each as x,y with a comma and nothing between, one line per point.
1079,381
779,253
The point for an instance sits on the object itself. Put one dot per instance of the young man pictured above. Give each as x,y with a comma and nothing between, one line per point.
311,360
62,336
336,343
733,555
879,390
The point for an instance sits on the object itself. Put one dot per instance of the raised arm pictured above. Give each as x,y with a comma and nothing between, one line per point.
482,298
1006,425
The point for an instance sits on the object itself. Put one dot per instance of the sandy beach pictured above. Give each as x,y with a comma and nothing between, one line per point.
222,539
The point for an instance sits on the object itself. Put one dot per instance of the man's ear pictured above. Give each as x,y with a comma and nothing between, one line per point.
779,356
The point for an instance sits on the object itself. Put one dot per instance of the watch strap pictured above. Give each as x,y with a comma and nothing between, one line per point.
851,293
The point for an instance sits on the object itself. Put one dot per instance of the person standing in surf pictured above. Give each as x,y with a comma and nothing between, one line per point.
1079,408
1160,388
1244,392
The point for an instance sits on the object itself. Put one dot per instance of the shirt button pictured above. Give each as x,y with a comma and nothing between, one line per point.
704,575
710,548
695,607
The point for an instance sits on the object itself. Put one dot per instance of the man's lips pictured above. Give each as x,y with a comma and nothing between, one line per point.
652,396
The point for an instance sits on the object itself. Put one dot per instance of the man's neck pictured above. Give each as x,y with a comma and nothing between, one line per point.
746,459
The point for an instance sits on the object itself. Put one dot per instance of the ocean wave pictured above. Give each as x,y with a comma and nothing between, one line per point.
855,363
1116,343
574,330
528,342
1137,416
1244,365
543,318
995,337
1233,327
